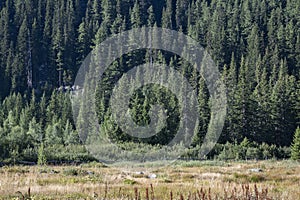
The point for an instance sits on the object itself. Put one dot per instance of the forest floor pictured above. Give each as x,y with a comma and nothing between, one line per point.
182,180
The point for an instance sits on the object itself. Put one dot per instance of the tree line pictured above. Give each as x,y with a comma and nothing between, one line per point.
255,44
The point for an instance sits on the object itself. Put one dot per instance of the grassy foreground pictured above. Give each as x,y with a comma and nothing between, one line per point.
183,180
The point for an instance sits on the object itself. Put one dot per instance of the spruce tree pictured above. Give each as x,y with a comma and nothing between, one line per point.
83,42
281,134
261,98
108,11
230,131
167,17
135,16
21,62
204,113
102,33
181,14
117,25
295,148
253,49
58,47
243,106
151,17
35,133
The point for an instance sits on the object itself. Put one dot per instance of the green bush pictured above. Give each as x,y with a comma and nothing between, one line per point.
256,178
130,182
74,172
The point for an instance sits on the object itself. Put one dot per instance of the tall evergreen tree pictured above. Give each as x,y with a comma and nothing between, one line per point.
135,16
22,59
108,10
167,16
295,153
151,17
279,112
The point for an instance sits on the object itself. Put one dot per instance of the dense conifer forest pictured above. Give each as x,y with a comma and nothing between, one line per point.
255,44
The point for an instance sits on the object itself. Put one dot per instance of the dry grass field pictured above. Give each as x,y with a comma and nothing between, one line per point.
182,180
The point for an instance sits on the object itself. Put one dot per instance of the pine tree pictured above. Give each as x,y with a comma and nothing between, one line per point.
42,110
69,44
261,98
243,104
20,12
273,23
7,70
54,134
216,37
36,51
181,14
108,11
42,160
167,17
297,103
200,29
151,17
16,138
21,61
233,29
295,148
97,15
246,18
6,25
32,107
83,42
117,25
253,49
204,111
34,134
70,136
58,44
102,33
297,57
52,110
281,134
135,16
47,35
230,131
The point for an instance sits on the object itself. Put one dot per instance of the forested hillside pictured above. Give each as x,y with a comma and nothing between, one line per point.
255,43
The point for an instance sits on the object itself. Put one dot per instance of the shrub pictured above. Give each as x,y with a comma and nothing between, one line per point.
256,178
71,172
129,182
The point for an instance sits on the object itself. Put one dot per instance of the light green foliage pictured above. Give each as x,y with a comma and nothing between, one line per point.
42,160
295,153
